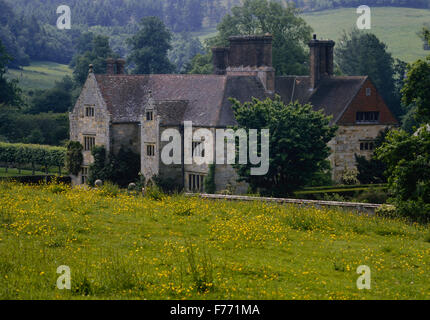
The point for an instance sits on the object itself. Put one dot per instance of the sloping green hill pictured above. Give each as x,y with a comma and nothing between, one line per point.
39,75
397,27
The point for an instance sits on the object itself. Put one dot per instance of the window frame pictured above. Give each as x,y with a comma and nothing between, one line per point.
149,115
150,149
367,117
89,142
90,111
195,182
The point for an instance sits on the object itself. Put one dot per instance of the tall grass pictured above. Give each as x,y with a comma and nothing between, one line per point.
131,247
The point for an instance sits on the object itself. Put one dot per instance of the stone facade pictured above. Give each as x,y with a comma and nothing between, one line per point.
97,125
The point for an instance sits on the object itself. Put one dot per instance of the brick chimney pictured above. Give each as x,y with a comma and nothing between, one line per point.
110,66
321,60
247,55
220,60
120,66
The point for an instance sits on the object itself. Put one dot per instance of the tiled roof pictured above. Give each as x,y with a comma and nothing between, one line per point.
204,99
333,94
206,96
127,95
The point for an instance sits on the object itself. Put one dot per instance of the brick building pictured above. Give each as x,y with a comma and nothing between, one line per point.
118,110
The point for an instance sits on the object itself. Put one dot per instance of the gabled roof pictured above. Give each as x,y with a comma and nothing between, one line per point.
333,94
205,97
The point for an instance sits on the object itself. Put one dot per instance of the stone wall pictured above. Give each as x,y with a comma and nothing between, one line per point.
347,143
97,126
150,134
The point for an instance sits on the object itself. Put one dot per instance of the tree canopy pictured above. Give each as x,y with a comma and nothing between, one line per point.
362,53
10,94
97,51
149,47
297,143
290,33
408,166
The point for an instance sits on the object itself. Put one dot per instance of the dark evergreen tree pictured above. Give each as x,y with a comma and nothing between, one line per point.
149,47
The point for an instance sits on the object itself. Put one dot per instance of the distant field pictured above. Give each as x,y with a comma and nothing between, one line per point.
40,74
123,246
397,27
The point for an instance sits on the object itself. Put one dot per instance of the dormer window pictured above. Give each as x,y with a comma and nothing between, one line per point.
149,115
367,117
368,92
89,111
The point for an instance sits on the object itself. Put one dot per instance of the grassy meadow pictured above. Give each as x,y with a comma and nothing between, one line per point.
39,75
397,27
123,246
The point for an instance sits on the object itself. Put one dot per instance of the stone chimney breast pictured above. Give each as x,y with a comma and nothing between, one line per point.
321,60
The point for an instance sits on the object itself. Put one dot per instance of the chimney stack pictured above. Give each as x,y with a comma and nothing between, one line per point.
120,66
110,66
321,60
247,55
220,60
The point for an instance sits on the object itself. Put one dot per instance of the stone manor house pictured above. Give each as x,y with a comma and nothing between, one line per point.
119,110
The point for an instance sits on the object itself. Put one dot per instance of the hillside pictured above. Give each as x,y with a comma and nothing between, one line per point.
397,27
124,246
39,75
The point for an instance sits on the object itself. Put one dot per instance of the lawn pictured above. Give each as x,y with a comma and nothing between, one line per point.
13,172
397,27
39,75
121,246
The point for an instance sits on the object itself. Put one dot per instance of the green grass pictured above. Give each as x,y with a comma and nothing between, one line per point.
128,247
13,172
39,75
397,27
205,33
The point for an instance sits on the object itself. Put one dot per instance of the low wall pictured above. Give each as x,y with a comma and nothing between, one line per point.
359,208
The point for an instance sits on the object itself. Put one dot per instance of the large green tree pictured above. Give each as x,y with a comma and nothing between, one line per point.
408,166
290,32
184,48
416,90
10,94
96,55
149,48
297,143
362,53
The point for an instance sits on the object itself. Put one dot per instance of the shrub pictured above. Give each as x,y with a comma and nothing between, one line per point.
34,154
110,189
154,192
373,195
349,176
209,182
166,184
387,211
74,157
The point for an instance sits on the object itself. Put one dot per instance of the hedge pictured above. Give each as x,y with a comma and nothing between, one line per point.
17,153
